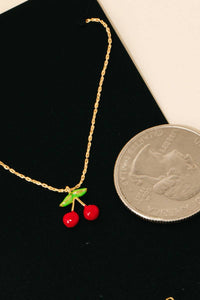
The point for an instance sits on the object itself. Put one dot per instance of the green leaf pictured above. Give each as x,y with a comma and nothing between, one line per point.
68,200
75,194
79,193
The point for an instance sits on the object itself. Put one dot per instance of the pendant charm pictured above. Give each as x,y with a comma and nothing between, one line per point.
90,212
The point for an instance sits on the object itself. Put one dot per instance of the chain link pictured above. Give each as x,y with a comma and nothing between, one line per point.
67,189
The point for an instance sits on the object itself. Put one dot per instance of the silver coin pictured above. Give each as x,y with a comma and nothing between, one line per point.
157,173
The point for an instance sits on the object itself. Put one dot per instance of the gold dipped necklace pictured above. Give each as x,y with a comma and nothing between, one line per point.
90,212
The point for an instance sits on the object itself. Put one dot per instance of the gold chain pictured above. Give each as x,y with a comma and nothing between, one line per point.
67,189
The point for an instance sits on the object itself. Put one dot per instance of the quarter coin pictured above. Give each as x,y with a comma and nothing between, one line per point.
157,173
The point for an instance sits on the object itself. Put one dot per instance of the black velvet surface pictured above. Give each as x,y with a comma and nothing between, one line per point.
50,67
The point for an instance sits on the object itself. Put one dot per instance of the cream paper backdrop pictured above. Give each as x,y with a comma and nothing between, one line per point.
163,40
8,4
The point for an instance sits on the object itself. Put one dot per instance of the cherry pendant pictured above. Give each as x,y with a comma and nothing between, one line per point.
91,212
71,219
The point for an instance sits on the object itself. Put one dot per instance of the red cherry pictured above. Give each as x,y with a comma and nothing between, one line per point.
91,212
71,219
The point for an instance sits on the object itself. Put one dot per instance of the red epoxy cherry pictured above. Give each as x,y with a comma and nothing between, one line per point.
91,212
71,219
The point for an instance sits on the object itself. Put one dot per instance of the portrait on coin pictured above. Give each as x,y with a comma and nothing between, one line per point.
173,174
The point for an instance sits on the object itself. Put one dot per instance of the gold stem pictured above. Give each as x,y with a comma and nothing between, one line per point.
73,204
81,202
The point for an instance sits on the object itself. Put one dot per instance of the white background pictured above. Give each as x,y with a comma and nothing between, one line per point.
8,4
163,39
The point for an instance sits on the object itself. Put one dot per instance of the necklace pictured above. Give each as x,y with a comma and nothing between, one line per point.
90,212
